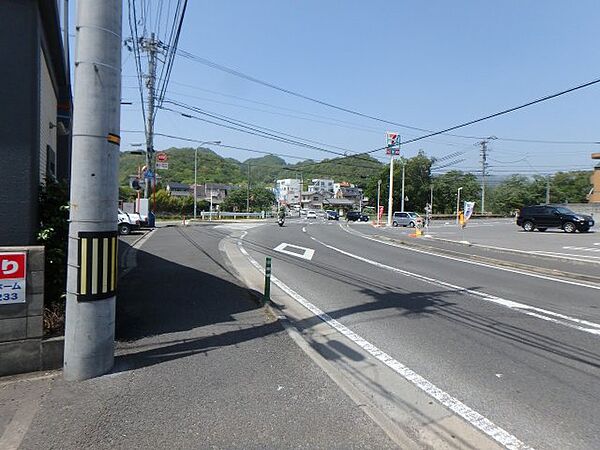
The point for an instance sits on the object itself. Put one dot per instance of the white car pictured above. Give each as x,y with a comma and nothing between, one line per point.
125,223
311,215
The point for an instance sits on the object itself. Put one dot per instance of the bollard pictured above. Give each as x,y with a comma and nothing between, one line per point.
267,294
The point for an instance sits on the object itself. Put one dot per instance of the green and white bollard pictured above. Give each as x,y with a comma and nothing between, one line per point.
267,294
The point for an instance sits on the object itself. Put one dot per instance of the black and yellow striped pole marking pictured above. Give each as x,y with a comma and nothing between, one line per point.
98,256
267,294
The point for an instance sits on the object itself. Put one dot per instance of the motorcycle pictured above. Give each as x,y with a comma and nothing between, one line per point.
280,221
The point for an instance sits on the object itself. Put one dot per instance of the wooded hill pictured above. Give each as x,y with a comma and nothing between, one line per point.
213,168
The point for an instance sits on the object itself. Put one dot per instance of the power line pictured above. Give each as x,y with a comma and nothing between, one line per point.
239,74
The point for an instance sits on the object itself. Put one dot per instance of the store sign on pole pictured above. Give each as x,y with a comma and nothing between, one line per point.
162,165
392,143
13,277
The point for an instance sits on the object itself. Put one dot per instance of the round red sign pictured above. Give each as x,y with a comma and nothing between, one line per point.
161,157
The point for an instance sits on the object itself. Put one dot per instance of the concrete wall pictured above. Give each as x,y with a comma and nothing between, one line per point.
19,120
21,328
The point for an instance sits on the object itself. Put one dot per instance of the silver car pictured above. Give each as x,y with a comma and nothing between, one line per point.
404,219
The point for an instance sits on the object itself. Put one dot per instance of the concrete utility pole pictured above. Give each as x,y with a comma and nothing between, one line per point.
151,47
248,191
547,189
92,263
484,167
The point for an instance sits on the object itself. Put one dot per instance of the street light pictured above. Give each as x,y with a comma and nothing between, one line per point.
458,204
196,173
378,196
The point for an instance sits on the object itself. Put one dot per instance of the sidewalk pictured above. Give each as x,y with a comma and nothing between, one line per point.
199,365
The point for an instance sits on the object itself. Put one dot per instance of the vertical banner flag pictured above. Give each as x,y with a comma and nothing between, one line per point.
392,143
469,207
380,212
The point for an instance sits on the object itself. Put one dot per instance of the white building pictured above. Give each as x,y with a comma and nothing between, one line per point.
288,191
321,184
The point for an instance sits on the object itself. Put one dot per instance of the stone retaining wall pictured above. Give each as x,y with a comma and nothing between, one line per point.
21,327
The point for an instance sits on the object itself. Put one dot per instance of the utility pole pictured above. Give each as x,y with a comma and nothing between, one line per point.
458,204
151,47
248,191
547,189
92,258
484,167
392,140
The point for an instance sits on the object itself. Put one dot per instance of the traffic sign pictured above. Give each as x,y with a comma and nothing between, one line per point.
162,157
162,165
13,277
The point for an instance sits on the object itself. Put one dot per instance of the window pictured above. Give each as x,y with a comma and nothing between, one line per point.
315,198
50,163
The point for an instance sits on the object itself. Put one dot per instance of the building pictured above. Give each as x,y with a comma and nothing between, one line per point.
35,113
315,200
288,191
218,192
321,184
352,194
594,196
178,189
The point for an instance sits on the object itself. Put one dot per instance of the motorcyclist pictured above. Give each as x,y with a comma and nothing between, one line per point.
281,214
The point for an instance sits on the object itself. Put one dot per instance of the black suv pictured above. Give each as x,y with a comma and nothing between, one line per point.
543,217
356,215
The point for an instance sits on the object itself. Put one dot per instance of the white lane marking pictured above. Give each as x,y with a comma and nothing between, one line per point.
307,253
497,433
304,229
477,263
17,428
561,319
583,249
571,256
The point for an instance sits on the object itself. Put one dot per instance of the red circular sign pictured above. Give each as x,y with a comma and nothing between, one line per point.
161,157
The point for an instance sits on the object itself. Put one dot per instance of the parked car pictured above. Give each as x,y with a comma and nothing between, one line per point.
542,217
125,224
406,219
356,215
332,215
311,214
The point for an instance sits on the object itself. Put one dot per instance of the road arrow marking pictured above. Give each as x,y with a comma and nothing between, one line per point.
307,253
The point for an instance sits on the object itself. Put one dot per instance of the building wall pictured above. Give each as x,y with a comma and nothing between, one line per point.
19,120
48,103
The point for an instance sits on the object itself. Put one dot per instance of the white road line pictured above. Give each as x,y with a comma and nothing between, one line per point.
583,249
497,433
307,253
571,256
544,314
304,229
477,263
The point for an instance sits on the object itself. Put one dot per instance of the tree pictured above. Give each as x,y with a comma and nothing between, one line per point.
445,189
417,180
515,192
261,199
570,187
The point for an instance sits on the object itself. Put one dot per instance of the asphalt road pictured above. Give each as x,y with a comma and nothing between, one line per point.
520,350
504,233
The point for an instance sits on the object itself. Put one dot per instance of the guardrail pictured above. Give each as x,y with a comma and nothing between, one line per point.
206,215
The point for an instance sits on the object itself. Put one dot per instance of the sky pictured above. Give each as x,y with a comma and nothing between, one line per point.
427,64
